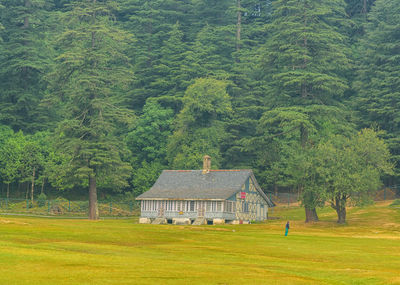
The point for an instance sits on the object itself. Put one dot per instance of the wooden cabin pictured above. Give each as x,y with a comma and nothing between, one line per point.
204,197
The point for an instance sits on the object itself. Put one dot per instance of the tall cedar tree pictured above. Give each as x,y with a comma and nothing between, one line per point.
154,24
305,59
378,83
248,94
23,61
91,73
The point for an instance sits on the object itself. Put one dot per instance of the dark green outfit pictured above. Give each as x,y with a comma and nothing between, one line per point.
287,229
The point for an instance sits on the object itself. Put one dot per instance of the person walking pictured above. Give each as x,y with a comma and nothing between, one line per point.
287,228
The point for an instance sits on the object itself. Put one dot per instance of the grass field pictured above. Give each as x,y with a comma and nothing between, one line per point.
67,251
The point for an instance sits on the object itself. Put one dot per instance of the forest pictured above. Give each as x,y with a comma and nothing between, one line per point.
97,97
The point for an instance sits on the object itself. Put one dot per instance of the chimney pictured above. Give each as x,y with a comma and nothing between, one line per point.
206,164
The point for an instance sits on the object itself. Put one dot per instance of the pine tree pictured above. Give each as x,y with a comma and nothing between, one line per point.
171,76
357,8
305,60
91,74
154,23
247,91
378,83
23,62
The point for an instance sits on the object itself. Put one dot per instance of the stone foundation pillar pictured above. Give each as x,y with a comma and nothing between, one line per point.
144,221
218,221
181,221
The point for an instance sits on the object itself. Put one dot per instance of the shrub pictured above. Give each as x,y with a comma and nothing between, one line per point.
396,203
41,200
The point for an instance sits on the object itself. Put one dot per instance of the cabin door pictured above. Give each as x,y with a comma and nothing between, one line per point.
201,208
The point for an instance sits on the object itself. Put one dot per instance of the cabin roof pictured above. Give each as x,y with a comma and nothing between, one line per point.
193,184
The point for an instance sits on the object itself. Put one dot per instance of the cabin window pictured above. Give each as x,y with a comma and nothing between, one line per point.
229,206
213,206
219,206
191,206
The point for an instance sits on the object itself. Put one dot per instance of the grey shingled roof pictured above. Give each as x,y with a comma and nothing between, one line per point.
193,184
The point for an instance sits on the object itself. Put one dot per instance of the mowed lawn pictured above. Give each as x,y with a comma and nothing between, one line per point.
67,251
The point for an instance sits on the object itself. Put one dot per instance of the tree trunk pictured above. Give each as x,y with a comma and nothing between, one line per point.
341,212
364,9
42,190
311,215
238,25
93,209
27,191
94,33
340,207
33,183
303,136
26,18
8,190
304,92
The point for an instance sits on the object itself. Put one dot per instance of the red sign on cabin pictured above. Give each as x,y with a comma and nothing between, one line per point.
242,195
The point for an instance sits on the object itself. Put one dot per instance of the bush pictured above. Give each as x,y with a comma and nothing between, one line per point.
41,200
396,203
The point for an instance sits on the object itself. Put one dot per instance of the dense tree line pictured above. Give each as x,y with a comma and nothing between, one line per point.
104,94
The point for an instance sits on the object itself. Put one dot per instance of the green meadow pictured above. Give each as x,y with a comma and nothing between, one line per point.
71,251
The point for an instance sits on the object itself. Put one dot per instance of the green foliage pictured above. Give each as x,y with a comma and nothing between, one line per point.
351,168
284,133
72,74
41,200
395,203
305,58
25,57
91,74
145,176
159,50
11,155
147,142
378,85
200,126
